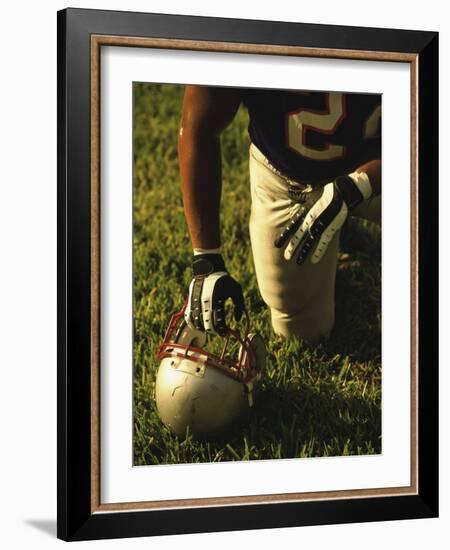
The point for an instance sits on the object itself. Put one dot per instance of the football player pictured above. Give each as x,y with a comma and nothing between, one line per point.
314,160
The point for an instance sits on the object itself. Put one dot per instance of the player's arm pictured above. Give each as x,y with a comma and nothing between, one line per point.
206,113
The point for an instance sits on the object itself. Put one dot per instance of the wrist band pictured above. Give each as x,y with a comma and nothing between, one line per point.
362,182
198,251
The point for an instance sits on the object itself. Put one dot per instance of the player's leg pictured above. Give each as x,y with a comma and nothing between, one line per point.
301,299
369,210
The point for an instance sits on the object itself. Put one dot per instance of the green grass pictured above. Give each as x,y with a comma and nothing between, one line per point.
321,400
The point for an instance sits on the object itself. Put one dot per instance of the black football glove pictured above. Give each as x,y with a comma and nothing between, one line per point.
322,211
210,288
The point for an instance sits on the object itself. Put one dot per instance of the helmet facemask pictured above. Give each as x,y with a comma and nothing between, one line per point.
202,392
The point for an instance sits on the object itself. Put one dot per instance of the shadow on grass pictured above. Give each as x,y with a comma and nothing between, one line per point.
357,329
316,421
297,421
300,422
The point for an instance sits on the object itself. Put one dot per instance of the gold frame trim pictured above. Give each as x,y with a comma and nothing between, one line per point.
97,41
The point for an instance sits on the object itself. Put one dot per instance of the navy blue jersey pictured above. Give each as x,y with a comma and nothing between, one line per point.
315,136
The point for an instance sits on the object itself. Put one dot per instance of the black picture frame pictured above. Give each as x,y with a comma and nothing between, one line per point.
76,519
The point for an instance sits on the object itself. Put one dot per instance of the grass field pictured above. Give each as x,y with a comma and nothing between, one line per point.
322,400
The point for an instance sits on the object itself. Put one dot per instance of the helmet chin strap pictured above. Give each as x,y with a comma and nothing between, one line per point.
242,340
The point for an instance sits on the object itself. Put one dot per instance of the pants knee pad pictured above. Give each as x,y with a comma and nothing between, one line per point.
302,324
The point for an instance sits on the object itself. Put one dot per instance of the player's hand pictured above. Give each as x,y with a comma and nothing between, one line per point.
320,214
210,288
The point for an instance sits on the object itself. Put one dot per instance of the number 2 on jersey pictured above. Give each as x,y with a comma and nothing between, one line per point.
325,122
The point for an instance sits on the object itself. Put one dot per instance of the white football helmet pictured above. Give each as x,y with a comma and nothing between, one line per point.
200,393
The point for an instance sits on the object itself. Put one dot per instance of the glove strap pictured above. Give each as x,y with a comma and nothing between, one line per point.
354,188
205,264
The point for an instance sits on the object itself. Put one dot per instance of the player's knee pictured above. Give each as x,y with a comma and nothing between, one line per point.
308,323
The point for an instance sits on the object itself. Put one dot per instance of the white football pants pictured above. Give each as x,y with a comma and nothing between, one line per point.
301,299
